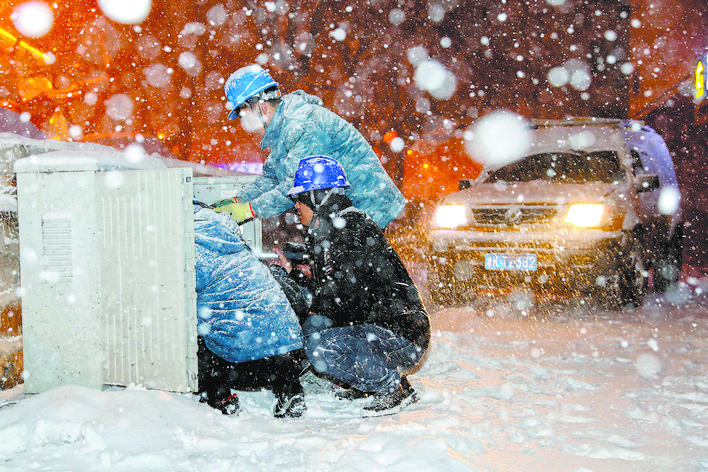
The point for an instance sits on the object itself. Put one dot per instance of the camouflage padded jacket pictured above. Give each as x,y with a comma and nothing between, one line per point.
302,127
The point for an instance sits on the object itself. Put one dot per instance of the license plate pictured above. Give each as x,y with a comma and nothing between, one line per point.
510,262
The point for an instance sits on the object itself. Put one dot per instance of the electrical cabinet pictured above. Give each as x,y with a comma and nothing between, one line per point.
107,272
107,269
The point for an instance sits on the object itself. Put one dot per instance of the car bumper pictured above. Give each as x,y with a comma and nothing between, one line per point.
573,258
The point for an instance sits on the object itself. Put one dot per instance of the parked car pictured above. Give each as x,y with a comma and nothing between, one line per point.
594,206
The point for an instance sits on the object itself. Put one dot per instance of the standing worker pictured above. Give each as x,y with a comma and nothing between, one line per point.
295,126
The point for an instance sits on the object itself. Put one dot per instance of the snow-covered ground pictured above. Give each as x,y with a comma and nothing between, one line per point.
509,384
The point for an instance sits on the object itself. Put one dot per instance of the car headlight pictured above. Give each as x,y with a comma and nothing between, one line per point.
450,216
585,215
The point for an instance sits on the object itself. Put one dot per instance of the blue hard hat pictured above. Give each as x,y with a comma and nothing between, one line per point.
318,172
245,83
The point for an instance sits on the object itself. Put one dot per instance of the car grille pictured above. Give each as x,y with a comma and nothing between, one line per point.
514,215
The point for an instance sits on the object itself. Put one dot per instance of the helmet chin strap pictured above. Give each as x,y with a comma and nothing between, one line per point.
261,115
329,193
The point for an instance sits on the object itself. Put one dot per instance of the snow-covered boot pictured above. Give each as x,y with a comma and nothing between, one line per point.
392,402
227,406
230,406
289,405
348,393
285,372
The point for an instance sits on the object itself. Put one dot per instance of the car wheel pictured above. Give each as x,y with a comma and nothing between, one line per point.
627,285
667,268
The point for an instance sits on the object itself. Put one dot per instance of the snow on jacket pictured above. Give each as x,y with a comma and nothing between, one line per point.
302,127
358,277
242,313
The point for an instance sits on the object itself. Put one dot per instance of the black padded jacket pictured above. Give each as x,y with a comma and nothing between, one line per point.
358,277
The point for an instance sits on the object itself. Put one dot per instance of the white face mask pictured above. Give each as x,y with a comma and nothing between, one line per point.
250,122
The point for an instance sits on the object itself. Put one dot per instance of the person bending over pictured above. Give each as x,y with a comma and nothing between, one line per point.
249,337
294,126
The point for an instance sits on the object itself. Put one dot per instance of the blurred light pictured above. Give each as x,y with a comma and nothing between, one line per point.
585,215
46,57
700,77
450,216
389,136
669,201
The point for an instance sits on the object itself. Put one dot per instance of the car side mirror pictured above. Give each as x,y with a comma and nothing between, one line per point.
465,183
646,183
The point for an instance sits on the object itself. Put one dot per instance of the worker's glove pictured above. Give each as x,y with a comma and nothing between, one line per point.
239,211
228,201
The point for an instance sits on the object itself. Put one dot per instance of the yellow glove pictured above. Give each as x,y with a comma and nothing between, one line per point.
228,201
239,211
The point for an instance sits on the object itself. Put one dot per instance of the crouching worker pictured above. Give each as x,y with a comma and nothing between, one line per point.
248,335
369,325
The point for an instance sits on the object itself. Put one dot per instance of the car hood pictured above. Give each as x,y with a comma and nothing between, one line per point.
532,192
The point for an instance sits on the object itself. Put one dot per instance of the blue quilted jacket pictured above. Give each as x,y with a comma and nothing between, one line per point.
302,127
242,313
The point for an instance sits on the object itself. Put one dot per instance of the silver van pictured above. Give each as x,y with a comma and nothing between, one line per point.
594,206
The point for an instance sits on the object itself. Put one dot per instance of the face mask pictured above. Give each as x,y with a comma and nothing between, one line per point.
250,122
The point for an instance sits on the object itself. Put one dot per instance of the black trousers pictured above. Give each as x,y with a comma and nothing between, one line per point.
280,374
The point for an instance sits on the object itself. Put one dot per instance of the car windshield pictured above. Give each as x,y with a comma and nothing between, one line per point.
575,167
